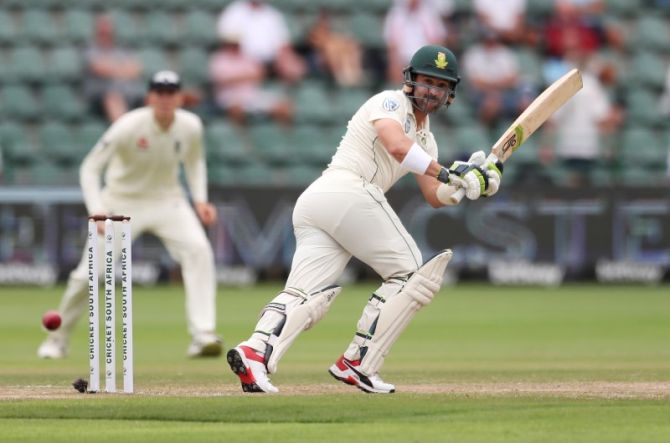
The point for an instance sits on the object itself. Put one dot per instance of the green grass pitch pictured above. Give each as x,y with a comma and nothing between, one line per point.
580,363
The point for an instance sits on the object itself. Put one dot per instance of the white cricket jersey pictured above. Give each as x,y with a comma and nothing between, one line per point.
361,152
142,161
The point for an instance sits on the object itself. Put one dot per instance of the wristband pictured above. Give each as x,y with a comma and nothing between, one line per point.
416,160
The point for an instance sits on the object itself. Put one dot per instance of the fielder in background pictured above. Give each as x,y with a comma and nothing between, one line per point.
344,213
140,155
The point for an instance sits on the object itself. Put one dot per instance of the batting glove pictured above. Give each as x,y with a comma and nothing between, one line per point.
470,177
493,168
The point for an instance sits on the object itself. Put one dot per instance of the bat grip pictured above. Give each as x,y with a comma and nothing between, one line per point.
457,196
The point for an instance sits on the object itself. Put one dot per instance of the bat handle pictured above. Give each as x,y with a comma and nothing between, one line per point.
457,196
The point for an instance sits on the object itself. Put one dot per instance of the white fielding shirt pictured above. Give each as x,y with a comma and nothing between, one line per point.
361,151
142,161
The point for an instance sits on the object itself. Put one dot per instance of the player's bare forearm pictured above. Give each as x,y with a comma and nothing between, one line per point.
398,144
428,186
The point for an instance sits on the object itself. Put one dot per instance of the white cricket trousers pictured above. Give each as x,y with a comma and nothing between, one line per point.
338,216
174,222
341,215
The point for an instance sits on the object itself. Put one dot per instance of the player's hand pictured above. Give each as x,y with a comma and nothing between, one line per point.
470,177
494,170
206,213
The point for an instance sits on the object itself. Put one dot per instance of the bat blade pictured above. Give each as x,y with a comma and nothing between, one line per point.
537,113
532,118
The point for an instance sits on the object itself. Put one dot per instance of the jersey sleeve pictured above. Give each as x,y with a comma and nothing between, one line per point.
90,172
194,164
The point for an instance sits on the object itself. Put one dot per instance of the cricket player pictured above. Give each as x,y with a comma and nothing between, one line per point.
345,213
140,155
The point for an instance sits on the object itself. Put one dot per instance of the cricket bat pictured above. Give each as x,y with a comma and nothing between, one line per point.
532,118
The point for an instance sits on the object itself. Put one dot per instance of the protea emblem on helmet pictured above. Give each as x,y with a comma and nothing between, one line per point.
441,60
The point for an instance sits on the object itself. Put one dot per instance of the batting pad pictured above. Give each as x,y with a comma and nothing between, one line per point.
298,318
397,312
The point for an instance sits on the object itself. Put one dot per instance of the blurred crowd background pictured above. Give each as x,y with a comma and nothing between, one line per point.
276,81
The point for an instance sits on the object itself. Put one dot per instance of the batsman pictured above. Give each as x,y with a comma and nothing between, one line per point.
345,213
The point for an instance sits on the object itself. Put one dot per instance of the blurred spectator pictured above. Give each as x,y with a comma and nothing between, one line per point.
409,25
590,11
238,85
337,53
581,123
264,36
492,70
506,18
573,25
113,74
592,14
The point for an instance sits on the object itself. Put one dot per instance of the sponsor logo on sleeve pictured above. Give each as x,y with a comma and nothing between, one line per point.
390,104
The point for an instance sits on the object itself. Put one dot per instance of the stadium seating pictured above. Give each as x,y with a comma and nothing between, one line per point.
60,101
78,25
367,27
642,106
225,146
57,142
648,70
87,134
471,138
313,145
25,63
15,143
313,104
270,144
193,62
65,64
199,28
44,115
7,28
19,101
652,32
38,27
642,147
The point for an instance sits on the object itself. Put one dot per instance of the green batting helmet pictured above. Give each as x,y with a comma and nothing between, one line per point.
435,61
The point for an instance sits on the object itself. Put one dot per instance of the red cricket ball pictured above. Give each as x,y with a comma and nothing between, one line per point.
51,320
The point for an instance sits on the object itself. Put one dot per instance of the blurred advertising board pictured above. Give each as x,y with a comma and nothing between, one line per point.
537,235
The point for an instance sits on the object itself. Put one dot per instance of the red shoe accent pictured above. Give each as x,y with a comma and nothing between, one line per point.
247,377
251,354
344,364
340,364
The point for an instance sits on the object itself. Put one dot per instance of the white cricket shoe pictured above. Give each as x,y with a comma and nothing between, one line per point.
347,372
205,345
250,368
53,347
